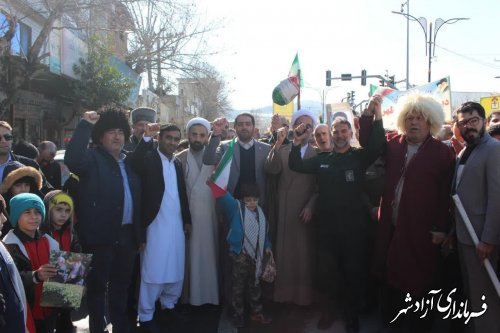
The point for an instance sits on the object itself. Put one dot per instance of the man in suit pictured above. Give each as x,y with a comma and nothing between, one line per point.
247,166
249,155
477,183
166,219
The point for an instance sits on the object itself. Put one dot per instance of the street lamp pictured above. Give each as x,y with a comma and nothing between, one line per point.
407,4
323,92
431,40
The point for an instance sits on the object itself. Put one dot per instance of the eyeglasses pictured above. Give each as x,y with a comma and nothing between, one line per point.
469,122
7,137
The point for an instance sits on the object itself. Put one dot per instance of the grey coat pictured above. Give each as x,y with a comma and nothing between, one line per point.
479,191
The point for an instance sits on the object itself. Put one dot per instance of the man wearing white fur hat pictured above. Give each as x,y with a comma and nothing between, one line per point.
201,281
294,241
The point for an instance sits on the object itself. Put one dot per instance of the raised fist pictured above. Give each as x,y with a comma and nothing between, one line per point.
219,125
91,116
151,130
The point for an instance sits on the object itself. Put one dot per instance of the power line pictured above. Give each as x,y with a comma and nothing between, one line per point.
481,62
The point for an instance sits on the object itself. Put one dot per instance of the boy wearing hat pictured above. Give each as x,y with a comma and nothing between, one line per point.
14,314
30,251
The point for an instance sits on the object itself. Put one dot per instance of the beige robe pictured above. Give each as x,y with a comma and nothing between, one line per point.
201,282
294,246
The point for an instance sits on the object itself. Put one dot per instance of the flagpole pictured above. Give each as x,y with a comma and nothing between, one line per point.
298,96
472,233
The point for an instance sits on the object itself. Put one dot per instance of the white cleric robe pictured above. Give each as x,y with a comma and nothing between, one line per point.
163,257
203,243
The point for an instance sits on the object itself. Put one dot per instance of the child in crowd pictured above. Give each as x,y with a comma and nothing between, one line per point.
17,179
248,241
14,314
30,251
59,224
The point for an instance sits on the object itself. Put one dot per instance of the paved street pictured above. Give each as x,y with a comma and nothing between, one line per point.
286,319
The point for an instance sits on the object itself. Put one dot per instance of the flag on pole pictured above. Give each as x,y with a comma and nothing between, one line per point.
220,177
378,90
294,73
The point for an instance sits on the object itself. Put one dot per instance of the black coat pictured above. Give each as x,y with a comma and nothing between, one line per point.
100,190
146,162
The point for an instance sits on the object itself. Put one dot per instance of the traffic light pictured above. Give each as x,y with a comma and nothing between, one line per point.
382,83
363,77
328,78
352,95
392,80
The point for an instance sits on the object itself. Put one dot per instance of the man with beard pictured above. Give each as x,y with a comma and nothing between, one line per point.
341,229
249,155
295,199
50,168
247,167
477,183
201,282
165,217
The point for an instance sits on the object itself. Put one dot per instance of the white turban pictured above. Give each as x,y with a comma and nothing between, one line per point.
299,113
198,121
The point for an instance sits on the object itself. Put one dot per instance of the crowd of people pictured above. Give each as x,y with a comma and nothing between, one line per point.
351,229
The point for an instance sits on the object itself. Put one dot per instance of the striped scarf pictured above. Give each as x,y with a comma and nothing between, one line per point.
254,237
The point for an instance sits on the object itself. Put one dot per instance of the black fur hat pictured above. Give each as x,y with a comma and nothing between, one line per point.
111,117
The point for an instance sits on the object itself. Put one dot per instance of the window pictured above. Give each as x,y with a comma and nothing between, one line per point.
21,42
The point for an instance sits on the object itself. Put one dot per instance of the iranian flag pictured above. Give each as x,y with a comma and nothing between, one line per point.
294,73
220,177
382,91
289,88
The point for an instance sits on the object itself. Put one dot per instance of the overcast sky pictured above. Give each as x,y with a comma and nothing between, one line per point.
260,38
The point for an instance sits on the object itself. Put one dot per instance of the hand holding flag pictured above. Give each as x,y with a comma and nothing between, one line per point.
220,177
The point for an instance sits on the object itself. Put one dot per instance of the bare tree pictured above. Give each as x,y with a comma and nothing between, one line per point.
53,14
212,93
168,40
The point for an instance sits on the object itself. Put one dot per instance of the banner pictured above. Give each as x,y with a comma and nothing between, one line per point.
490,104
284,110
440,89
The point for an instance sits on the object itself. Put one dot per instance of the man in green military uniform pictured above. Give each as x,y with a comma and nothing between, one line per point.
342,222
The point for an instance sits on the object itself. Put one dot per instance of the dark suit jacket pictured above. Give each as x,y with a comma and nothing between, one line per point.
216,149
146,162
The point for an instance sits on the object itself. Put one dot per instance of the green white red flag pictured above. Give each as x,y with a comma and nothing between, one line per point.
294,73
220,177
382,91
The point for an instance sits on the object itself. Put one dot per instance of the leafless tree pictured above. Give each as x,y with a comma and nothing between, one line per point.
167,40
52,14
212,93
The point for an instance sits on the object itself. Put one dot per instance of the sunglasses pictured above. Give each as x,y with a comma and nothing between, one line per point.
7,137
